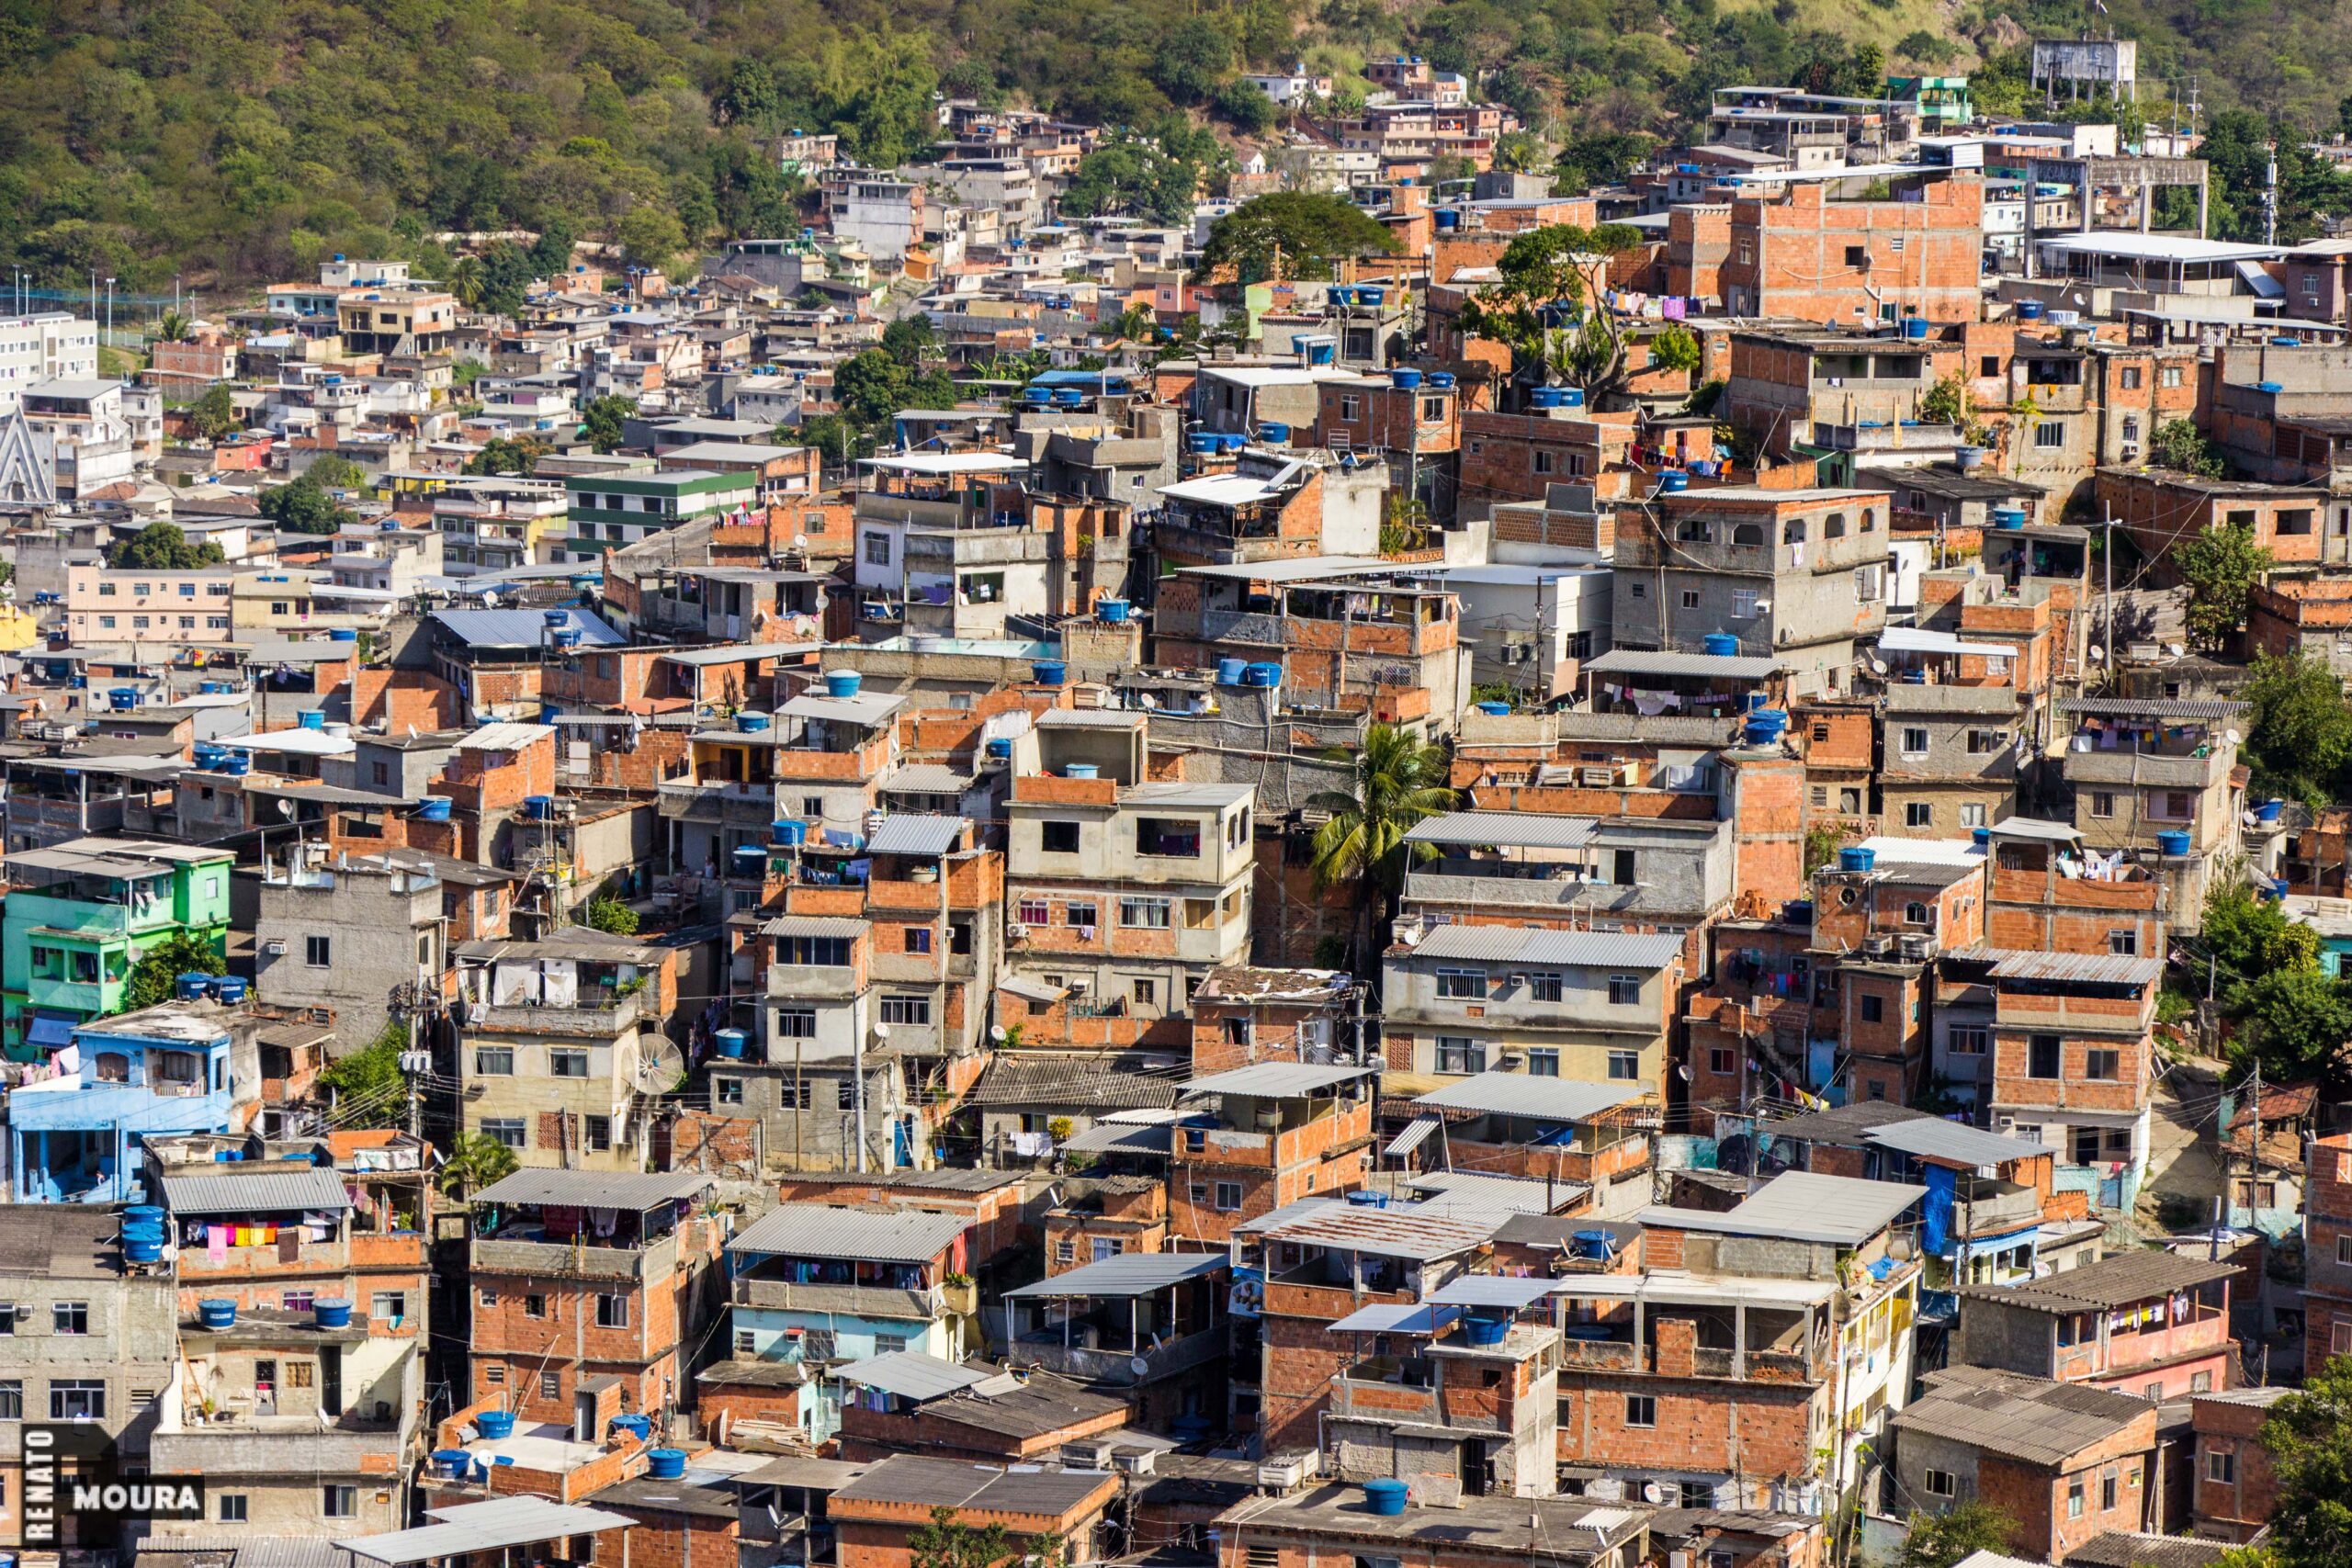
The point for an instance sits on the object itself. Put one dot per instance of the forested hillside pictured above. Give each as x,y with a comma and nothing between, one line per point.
230,140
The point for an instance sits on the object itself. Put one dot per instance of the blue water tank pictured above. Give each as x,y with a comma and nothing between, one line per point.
730,1043
2028,309
1232,441
1720,645
750,723
1001,746
788,833
1545,397
842,682
1441,380
2008,518
1594,1245
1049,671
1915,327
1202,443
1486,1330
451,1462
555,617
638,1427
1979,837
1111,610
217,1312
1854,857
1495,710
1265,675
494,1424
2171,842
1069,397
1448,220
538,807
122,698
1385,1497
192,985
1371,294
237,764
313,718
568,638
1082,771
2267,811
665,1464
434,808
1274,432
344,633
331,1312
1404,380
1230,671
1672,481
142,1248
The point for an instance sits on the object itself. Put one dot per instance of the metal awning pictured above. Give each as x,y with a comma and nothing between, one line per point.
1492,1291
1125,1274
1398,1317
1416,1132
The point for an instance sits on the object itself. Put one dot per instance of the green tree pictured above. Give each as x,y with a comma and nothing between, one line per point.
163,546
369,1088
303,507
2298,741
1242,106
1307,232
2252,936
478,1161
2309,1434
1948,402
871,388
2220,567
609,915
2295,1022
911,340
1519,152
1676,348
650,237
334,471
600,422
1191,58
1398,779
2178,444
1942,1541
836,439
507,454
468,278
155,977
1602,158
214,414
174,328
1543,306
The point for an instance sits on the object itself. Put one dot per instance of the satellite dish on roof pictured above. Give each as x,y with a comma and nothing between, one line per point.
2232,737
659,1065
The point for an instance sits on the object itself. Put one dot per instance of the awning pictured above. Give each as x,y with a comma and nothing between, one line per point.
48,1031
1415,1132
1398,1317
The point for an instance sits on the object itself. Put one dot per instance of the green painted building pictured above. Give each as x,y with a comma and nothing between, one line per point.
611,510
78,916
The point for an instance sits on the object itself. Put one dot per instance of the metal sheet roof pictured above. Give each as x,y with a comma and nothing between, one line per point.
2090,968
2021,1418
2113,1281
1641,662
915,833
1492,1291
1800,1205
505,737
911,1374
2034,828
1397,1317
1277,1080
274,1191
1477,1191
593,1188
1400,1230
1529,945
1126,1274
2153,707
814,925
927,778
1951,1143
484,1526
1090,718
882,1236
1541,1099
521,628
1923,639
1416,1132
910,1479
1504,829
867,708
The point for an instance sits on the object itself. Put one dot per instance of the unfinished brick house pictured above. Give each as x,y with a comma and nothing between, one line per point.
2151,1324
1254,1140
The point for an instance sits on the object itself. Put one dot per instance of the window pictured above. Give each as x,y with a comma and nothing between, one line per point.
1032,912
2041,1056
1624,1067
1972,813
917,938
596,1132
1834,526
1167,837
1076,913
1743,604
890,1344
494,1061
2169,376
878,550
231,1509
2176,805
535,1306
318,952
77,1399
1459,1055
2129,378
1942,1484
1542,461
728,1091
1722,1061
1641,1410
12,1401
2123,942
915,1010
1228,1197
2049,435
70,1318
1148,914
1985,742
1059,837
796,1023
2102,803
612,1312
2131,427
2202,1382
339,1502
1918,814
566,1061
2105,1067
1689,598
1543,1062
2222,1467
1970,1040
2074,1498
1915,741
504,1130
1858,255
1465,983
1874,1009
388,1306
1544,987
1624,990
1916,914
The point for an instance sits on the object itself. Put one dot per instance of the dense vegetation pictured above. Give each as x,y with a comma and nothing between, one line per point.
232,140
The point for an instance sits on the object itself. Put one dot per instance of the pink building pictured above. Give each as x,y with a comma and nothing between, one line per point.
2151,1324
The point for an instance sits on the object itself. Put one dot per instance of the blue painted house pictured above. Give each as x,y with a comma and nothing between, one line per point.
185,1067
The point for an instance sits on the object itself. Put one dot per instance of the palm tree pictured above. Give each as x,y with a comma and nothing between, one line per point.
466,281
1399,779
173,328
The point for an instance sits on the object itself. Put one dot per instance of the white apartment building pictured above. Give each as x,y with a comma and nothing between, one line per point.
53,346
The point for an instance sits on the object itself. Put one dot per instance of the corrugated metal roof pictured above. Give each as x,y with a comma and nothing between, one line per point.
1510,829
1277,1080
1641,662
2017,1417
521,628
1923,639
1078,1080
867,708
2034,828
594,1189
881,1236
910,1479
1400,1230
1439,1190
1107,1137
2127,1549
484,1526
1951,1142
1188,796
1126,1274
1397,1317
814,925
911,1374
1529,944
1541,1099
1089,718
2113,1281
1416,1132
505,737
2154,708
1491,1291
273,1191
1800,1205
927,778
2088,968
917,833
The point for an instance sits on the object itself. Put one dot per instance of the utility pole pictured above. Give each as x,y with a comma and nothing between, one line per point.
2271,193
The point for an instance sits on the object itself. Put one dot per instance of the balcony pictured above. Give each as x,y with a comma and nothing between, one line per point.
529,1254
858,1301
256,1262
601,1016
1118,1369
280,1446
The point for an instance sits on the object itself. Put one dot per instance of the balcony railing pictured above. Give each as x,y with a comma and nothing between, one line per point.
656,1260
1123,1369
862,1301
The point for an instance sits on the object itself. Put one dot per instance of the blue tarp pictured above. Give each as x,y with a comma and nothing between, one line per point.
1935,1212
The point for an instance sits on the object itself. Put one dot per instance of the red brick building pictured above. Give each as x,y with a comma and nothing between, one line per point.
2236,1482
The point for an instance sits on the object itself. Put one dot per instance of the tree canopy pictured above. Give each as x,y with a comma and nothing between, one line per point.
2309,1434
163,547
1541,306
2220,567
1292,234
303,507
2299,740
155,977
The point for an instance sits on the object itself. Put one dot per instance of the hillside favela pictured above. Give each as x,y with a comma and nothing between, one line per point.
1241,784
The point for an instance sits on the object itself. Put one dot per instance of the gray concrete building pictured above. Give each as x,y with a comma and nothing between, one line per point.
1949,763
347,933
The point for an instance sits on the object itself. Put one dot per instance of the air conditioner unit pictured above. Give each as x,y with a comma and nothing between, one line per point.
1135,1461
1017,932
275,947
1597,778
1878,946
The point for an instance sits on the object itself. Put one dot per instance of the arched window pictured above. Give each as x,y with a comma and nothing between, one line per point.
1870,521
113,1067
1795,532
1834,526
1915,914
1747,533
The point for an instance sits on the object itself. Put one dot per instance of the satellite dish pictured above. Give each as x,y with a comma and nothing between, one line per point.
2097,654
284,806
659,1065
2232,737
1140,1365
1877,665
799,541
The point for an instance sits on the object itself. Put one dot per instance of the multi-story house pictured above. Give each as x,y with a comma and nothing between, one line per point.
1588,1006
1882,911
1949,761
819,1286
611,510
174,608
1150,1328
2328,1251
560,1056
581,1278
92,1336
945,546
1797,575
1243,1014
299,1394
1275,503
347,933
1588,1143
2236,1481
2064,1464
2158,777
2151,1323
1128,889
80,913
1791,390
1252,1140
